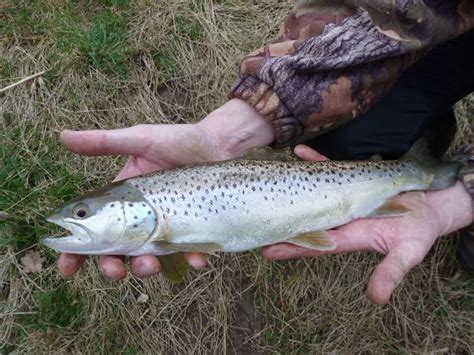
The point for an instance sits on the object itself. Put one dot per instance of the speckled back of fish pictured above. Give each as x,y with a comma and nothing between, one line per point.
243,204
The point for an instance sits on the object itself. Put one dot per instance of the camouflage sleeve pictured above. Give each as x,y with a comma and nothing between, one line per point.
333,60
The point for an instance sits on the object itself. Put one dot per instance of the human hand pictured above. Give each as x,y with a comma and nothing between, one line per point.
404,240
223,134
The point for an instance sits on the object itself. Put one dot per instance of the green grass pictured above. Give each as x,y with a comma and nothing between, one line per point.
103,44
59,307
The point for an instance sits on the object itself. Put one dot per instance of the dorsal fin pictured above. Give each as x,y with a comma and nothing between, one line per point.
268,154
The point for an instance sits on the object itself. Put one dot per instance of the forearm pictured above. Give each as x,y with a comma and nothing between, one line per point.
332,62
236,126
453,207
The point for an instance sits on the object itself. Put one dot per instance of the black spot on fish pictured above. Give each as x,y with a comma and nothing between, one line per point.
130,204
135,217
134,226
149,212
167,210
318,179
200,206
172,199
112,205
185,213
174,212
119,219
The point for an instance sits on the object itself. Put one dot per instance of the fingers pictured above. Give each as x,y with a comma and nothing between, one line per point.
113,266
197,260
391,271
69,264
129,141
306,153
144,266
351,237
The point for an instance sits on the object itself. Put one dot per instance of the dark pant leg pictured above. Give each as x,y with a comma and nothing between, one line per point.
420,103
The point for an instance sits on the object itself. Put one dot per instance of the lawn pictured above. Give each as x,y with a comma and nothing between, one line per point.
116,63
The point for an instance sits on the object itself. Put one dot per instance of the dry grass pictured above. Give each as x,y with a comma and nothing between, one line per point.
173,63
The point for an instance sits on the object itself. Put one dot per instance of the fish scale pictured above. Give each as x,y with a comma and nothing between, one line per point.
246,204
238,205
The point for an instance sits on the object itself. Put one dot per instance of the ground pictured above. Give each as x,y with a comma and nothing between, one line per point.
115,63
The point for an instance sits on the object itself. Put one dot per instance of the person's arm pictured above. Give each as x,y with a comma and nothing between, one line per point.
332,61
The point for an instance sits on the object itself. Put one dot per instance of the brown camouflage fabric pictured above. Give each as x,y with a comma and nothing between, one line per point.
333,60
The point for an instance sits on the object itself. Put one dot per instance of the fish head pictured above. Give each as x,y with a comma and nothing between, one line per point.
116,219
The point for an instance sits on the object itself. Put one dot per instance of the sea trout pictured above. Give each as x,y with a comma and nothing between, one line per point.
238,205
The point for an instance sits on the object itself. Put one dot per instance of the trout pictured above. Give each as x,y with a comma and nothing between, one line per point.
238,205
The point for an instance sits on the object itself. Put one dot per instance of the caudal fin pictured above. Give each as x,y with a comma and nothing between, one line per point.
444,173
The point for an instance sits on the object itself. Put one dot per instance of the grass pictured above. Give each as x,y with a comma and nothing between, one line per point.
119,63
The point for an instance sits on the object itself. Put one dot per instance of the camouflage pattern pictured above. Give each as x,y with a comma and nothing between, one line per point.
333,60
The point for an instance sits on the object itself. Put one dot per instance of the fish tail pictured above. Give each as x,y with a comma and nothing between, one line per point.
443,174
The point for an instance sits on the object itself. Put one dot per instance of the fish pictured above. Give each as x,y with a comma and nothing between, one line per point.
260,199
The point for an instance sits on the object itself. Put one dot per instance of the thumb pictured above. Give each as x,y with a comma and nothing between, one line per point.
306,153
127,141
391,271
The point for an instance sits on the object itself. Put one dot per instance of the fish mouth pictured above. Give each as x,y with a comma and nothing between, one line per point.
79,242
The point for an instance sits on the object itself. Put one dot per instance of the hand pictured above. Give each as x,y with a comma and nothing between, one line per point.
224,134
404,240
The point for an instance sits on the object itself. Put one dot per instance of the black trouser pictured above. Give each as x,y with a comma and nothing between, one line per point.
419,104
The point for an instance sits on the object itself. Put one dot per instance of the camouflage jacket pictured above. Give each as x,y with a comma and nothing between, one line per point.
332,60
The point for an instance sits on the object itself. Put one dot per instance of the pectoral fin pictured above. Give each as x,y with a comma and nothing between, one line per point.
319,240
173,267
190,247
389,209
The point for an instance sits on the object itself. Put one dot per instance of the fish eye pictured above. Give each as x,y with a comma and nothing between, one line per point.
80,211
